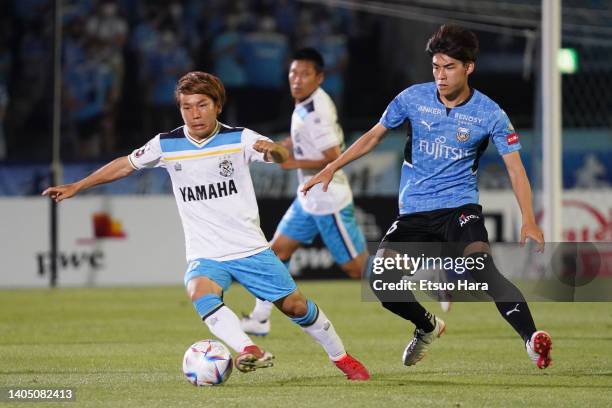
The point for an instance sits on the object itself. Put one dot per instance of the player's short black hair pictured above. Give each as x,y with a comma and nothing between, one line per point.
455,41
312,55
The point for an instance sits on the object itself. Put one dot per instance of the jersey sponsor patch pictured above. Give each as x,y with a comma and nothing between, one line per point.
142,150
208,191
512,138
464,219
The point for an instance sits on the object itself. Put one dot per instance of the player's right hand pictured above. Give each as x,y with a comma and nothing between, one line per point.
323,177
59,193
531,230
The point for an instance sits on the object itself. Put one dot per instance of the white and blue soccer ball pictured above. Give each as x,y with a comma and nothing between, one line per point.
207,362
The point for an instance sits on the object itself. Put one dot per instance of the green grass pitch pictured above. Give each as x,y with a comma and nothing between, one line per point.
124,347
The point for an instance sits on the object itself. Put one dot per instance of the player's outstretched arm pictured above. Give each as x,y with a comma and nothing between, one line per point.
329,155
114,170
272,151
522,191
362,146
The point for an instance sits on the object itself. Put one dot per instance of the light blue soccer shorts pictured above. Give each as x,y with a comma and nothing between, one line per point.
339,230
262,274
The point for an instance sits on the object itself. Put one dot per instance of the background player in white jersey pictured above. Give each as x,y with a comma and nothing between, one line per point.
208,165
316,140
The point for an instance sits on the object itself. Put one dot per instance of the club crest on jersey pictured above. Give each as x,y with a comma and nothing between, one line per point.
177,166
226,168
463,134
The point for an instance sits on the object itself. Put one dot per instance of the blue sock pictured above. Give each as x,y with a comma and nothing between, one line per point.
312,312
207,304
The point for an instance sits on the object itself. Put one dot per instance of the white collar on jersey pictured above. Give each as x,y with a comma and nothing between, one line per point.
202,142
310,98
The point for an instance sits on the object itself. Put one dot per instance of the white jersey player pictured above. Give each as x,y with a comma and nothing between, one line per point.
211,176
208,165
316,139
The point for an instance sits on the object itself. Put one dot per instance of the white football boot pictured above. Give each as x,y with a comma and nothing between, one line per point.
539,347
254,327
418,346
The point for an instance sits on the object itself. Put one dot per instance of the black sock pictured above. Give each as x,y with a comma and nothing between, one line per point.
519,317
508,298
412,311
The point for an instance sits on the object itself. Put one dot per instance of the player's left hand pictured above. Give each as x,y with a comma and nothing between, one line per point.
59,193
532,231
272,150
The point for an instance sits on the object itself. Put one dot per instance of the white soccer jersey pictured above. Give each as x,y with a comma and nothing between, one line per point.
213,189
315,128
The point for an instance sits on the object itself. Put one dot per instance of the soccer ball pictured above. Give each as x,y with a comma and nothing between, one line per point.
207,362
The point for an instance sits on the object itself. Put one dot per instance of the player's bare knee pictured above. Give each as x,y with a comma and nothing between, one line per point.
353,270
354,273
283,252
299,308
283,246
355,267
293,305
198,287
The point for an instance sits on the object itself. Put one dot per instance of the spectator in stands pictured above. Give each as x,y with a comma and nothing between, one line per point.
145,35
333,47
230,67
74,42
32,83
166,64
266,51
4,100
174,19
32,11
88,87
285,13
321,33
5,71
110,29
6,59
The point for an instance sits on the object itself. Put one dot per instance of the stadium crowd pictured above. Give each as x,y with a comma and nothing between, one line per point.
121,59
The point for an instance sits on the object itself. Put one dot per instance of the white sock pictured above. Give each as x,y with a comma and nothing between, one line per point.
323,332
262,310
226,326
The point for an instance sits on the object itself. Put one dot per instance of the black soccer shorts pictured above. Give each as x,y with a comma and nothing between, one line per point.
458,226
